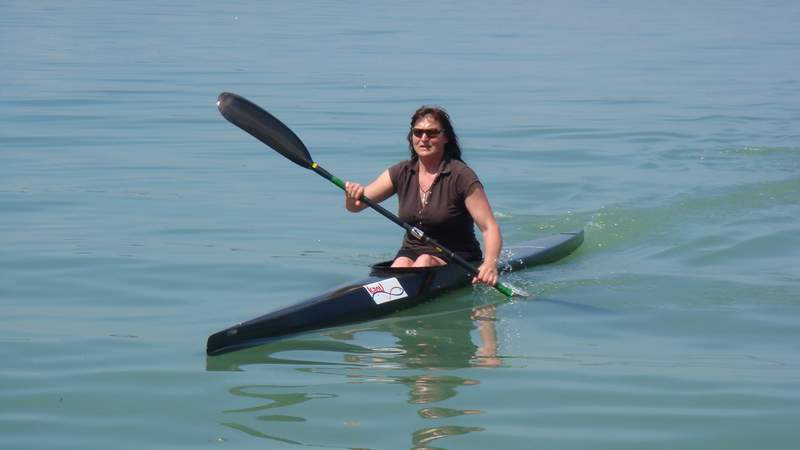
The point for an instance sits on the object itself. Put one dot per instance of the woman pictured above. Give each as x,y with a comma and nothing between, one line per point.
438,194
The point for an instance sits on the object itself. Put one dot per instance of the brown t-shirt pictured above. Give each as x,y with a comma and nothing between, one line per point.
445,218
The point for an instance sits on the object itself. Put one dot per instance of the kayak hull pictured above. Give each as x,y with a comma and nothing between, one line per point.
384,291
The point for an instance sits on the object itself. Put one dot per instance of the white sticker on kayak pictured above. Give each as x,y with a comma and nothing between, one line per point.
385,290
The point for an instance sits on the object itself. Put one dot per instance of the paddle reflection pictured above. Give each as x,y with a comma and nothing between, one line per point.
434,345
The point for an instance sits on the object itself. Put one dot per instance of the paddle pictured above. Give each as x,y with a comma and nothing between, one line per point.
271,131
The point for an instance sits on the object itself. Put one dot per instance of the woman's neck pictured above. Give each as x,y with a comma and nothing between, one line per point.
430,165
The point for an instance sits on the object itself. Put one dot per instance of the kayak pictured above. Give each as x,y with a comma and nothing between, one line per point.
385,291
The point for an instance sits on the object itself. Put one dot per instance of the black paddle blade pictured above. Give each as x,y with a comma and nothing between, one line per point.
264,126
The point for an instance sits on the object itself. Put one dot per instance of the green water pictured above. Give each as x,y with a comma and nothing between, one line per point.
135,221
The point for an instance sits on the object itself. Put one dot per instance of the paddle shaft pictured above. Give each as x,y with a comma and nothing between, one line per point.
414,231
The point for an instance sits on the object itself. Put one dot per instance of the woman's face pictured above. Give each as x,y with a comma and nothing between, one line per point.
428,137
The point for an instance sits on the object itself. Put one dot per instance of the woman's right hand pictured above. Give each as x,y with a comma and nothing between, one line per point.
352,196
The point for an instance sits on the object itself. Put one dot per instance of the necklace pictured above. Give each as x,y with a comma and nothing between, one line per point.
424,194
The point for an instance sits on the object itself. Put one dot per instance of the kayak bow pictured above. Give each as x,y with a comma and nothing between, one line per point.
384,291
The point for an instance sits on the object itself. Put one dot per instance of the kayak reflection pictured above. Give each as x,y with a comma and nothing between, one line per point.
433,345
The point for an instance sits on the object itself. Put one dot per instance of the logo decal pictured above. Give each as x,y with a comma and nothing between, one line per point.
385,290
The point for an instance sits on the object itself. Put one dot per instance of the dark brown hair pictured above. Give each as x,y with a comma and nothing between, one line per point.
451,150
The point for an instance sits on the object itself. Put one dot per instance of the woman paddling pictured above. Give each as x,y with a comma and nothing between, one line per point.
439,194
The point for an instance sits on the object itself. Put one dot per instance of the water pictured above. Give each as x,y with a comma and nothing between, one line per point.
135,221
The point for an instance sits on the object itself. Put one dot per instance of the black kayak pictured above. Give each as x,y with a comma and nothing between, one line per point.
384,291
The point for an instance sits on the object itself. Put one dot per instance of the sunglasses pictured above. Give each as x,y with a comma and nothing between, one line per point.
431,132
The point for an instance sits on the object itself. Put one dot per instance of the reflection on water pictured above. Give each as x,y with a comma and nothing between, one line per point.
274,400
265,354
255,433
432,346
421,437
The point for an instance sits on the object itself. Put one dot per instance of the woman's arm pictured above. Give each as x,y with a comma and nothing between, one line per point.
478,206
377,191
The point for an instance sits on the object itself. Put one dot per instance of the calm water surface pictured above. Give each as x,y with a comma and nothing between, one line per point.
135,221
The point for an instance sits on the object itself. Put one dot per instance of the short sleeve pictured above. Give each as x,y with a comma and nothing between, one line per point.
394,173
466,180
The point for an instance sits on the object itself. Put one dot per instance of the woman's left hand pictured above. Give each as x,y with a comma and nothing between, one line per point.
487,274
